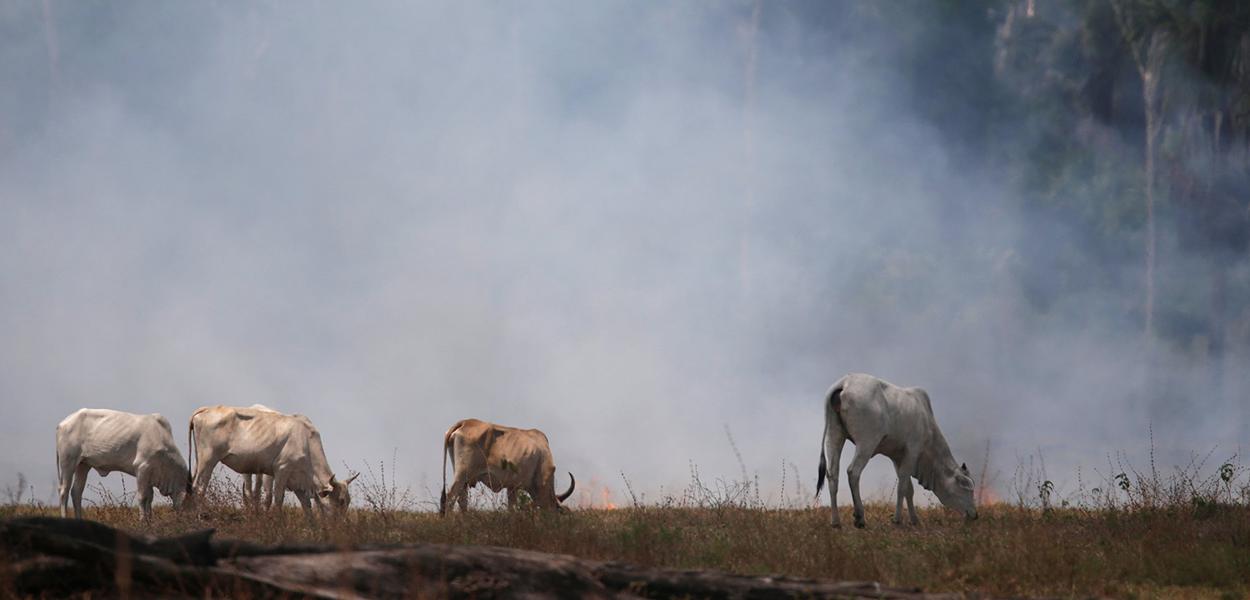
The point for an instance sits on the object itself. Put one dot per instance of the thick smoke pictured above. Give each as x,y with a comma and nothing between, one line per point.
630,225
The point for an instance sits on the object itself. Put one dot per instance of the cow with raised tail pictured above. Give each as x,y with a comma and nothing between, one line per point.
141,446
882,418
502,458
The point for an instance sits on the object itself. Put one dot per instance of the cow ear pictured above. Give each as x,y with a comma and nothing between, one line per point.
325,492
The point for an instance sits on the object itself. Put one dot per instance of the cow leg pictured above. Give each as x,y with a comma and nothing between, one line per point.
249,497
80,483
321,506
63,491
306,502
143,489
255,490
511,499
458,494
463,500
905,469
864,449
205,463
898,499
278,493
266,483
833,462
69,464
911,507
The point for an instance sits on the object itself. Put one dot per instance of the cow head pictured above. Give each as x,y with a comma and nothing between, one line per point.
178,497
175,485
568,492
554,500
337,494
955,491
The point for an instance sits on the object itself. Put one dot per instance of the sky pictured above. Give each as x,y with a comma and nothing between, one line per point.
645,229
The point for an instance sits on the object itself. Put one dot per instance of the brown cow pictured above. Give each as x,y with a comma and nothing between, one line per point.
502,458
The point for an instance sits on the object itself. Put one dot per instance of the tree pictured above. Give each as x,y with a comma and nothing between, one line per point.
1148,43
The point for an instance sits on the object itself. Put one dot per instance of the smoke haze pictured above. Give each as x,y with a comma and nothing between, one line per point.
629,225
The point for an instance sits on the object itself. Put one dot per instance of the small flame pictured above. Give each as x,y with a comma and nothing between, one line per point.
595,496
607,499
986,496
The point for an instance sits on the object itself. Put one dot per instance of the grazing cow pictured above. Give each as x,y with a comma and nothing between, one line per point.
141,446
882,418
502,458
264,442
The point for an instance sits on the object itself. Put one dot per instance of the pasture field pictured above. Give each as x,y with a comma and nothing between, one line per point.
1137,535
1164,552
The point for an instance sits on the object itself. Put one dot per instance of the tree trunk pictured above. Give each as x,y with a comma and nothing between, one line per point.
1148,49
69,557
1151,70
1152,129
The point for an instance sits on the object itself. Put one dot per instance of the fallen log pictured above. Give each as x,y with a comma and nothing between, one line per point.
47,556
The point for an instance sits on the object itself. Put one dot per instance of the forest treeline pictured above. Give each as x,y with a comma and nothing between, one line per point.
1125,122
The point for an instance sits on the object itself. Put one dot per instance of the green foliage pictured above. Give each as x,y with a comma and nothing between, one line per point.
1053,102
1071,80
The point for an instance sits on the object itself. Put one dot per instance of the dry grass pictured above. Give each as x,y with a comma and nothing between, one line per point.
1135,536
1009,551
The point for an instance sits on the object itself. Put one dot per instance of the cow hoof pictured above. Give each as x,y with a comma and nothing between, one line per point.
859,524
837,525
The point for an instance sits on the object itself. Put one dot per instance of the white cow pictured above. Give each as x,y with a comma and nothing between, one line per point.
882,418
264,442
141,446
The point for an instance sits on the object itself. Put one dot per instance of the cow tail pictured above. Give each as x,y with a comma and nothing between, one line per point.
442,494
448,450
831,412
191,457
820,476
58,459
